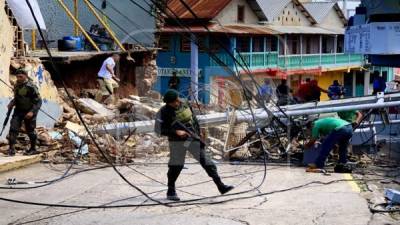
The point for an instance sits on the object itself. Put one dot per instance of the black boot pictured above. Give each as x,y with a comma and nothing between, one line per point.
11,151
171,195
221,186
343,168
173,174
32,150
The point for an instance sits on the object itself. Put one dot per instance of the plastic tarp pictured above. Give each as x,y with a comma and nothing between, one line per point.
24,16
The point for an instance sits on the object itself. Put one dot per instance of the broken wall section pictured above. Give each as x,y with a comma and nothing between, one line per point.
80,76
6,48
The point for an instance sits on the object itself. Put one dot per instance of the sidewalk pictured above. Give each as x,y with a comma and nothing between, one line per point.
18,161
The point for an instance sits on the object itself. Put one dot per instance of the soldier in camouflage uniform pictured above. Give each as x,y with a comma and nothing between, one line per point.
177,121
27,103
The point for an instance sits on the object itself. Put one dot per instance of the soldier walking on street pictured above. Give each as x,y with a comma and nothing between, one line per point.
27,103
177,121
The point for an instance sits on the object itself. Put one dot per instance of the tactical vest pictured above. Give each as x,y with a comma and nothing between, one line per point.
184,115
23,96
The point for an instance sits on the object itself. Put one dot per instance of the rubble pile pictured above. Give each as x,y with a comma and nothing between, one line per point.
121,149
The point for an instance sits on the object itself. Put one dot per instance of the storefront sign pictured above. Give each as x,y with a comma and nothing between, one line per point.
180,72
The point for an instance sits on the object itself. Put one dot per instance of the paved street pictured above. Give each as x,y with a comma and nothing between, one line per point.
336,203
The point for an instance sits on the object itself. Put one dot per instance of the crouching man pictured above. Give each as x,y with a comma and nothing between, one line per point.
27,103
176,120
336,132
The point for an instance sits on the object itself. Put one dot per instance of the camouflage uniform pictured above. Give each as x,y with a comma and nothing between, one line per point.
26,99
171,120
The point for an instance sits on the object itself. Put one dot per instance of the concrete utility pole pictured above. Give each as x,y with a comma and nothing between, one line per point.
194,68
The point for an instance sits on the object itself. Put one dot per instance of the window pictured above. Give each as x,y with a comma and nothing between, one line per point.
294,45
272,44
185,43
308,45
288,12
243,44
258,44
165,43
240,15
216,41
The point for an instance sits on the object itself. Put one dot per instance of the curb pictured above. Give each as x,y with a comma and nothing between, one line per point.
16,162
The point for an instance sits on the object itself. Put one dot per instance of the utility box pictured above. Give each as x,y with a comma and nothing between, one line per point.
393,196
381,38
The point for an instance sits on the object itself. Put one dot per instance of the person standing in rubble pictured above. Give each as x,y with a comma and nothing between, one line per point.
283,92
107,79
177,121
27,103
335,132
266,92
174,82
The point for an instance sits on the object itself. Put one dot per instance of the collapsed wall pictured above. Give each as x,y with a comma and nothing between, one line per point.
36,71
6,51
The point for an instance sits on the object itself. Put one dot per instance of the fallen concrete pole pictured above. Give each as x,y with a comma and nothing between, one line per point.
242,116
344,102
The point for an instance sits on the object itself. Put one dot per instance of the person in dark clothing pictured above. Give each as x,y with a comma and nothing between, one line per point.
335,91
303,91
379,84
282,92
176,121
315,92
27,103
174,82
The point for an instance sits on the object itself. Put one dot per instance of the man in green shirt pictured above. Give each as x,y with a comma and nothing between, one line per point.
335,131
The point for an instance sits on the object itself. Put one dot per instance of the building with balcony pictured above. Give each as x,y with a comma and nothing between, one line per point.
278,39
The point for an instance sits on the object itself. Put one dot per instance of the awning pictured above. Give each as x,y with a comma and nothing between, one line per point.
228,29
24,16
303,30
253,29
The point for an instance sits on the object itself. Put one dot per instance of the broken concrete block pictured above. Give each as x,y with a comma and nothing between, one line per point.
134,97
76,128
90,106
125,104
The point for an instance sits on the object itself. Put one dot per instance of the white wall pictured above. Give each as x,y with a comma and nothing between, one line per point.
229,14
6,40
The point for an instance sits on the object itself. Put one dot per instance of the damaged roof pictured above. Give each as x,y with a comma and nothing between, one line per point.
204,9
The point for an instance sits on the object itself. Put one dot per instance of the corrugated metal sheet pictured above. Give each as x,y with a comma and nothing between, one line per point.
254,29
319,10
228,29
302,30
204,9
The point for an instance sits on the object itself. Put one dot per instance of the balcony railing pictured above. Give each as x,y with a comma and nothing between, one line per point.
257,60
